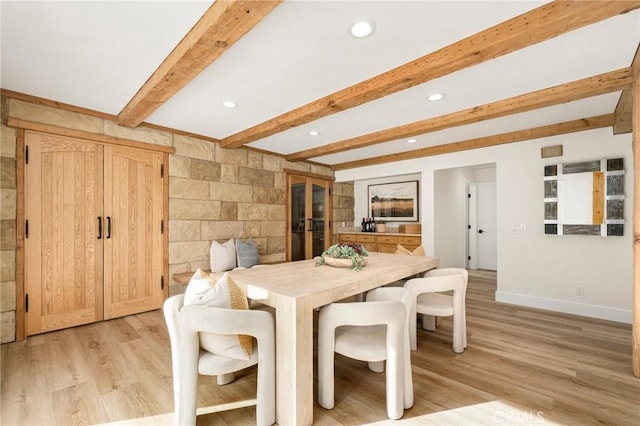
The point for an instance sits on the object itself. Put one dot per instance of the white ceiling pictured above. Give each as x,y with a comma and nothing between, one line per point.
97,55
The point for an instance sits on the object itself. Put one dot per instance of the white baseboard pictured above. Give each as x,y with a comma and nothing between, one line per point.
592,311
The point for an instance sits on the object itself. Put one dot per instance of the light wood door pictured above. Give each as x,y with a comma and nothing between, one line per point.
133,244
63,250
94,248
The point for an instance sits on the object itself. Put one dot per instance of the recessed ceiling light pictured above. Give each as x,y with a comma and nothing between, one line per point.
412,140
362,28
435,97
229,104
314,133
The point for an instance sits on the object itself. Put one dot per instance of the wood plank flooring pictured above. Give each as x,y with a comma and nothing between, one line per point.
522,366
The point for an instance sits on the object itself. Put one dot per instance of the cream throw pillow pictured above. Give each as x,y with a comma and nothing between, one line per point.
222,257
418,251
199,282
225,293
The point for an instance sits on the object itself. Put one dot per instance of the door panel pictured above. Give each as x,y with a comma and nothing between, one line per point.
319,204
133,238
63,274
487,226
298,218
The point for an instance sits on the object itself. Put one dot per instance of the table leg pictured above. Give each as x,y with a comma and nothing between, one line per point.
294,362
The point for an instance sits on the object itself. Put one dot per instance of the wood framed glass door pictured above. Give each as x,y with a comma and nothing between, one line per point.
309,217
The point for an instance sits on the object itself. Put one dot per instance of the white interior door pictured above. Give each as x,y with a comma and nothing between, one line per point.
487,242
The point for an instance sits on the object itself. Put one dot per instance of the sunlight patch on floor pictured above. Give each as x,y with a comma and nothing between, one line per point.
159,420
492,413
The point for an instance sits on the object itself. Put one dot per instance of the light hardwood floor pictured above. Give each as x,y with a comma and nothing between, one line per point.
522,366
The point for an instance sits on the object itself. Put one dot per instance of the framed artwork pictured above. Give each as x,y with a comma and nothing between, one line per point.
394,202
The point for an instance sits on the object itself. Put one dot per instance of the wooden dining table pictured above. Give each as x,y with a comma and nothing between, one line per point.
295,290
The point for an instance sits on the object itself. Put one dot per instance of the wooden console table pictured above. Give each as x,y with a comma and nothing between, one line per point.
384,242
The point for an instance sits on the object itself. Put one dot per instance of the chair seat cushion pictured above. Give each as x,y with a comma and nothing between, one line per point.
223,293
437,304
366,343
211,364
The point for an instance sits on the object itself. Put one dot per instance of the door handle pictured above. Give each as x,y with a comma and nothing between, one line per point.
108,227
310,225
480,231
99,227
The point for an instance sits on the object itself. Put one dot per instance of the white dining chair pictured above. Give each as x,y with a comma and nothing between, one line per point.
185,323
431,303
374,331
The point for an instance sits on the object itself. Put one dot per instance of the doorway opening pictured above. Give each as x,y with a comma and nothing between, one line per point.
463,206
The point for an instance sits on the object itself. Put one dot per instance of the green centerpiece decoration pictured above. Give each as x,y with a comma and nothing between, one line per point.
344,255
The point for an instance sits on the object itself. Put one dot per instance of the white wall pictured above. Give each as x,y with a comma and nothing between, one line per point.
536,269
450,205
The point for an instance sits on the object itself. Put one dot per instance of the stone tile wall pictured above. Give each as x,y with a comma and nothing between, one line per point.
214,194
7,234
343,204
218,194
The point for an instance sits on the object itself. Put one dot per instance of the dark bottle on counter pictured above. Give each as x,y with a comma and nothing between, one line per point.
364,225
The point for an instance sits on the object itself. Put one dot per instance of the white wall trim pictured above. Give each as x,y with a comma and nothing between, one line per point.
568,307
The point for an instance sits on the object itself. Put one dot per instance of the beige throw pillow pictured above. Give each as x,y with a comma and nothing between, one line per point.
418,251
224,293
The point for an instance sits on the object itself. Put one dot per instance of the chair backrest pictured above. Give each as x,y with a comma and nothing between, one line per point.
399,294
446,272
193,319
389,312
437,280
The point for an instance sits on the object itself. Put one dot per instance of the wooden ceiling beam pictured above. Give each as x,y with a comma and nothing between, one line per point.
580,89
487,141
224,23
624,107
623,113
543,23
